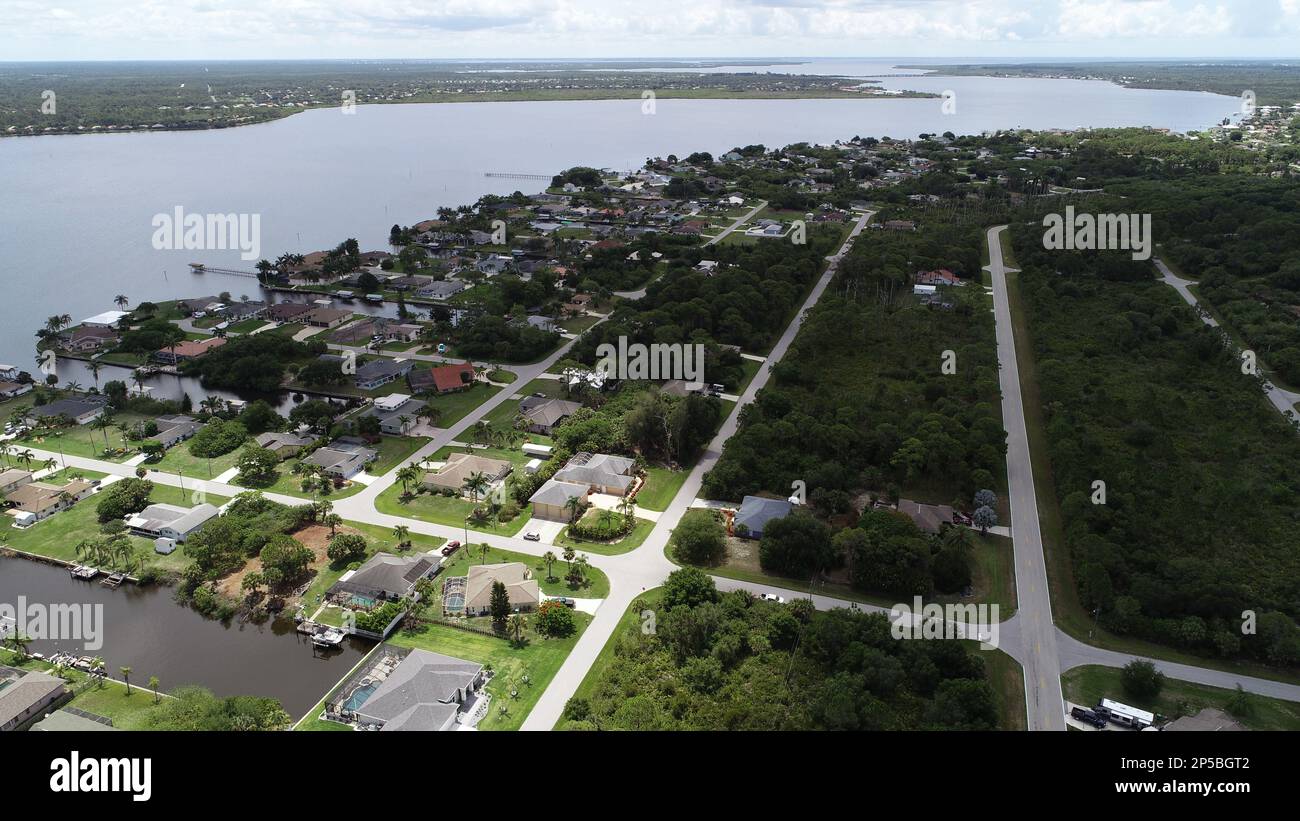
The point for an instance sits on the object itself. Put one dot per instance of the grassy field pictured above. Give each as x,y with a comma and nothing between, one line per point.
58,536
455,406
661,485
527,669
82,440
1087,685
1007,678
444,510
628,543
378,540
179,459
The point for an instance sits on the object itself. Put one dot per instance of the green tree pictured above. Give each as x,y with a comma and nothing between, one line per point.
1141,680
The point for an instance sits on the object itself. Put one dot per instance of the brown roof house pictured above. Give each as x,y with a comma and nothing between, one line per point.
189,349
521,588
927,517
460,466
35,501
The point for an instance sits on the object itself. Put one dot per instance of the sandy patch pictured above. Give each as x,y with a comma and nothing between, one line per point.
315,538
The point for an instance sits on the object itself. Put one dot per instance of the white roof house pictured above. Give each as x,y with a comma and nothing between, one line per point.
107,319
171,521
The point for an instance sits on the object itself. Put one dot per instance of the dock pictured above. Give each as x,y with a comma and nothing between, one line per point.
83,572
113,580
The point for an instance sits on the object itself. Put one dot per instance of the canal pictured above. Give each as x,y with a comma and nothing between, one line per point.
145,629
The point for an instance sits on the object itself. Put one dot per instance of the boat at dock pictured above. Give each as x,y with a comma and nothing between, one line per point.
329,637
83,572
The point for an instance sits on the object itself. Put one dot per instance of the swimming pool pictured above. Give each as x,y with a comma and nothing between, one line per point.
359,696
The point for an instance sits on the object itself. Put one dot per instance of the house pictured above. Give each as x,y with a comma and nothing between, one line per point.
426,692
396,413
442,378
41,500
9,373
64,721
384,576
201,303
175,428
288,312
8,390
80,409
601,472
189,349
380,372
402,332
755,512
460,466
13,479
444,289
929,518
244,309
28,694
326,317
85,339
161,521
543,323
940,277
900,225
342,460
543,415
578,304
108,319
521,588
707,266
551,501
493,264
283,445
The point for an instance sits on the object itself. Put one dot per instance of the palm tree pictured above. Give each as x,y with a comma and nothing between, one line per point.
17,642
550,559
569,554
401,532
516,624
50,463
95,366
573,505
332,520
126,677
606,521
97,669
153,685
476,484
73,386
404,421
408,475
27,456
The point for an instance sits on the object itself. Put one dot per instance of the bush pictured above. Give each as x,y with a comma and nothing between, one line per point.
346,548
1142,680
122,498
217,438
555,620
700,539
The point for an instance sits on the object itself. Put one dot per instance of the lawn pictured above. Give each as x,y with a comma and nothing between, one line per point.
598,587
1087,685
83,440
503,376
661,485
109,701
628,543
393,451
1007,679
578,324
58,536
455,406
444,510
378,540
529,668
178,459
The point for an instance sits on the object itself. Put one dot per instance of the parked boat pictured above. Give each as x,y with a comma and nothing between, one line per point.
330,637
83,572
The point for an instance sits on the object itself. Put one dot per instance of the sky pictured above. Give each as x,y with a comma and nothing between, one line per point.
702,29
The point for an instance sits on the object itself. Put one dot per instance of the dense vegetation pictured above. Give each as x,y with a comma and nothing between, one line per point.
730,662
252,363
1201,487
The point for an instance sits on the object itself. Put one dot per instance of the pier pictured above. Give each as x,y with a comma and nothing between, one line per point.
200,268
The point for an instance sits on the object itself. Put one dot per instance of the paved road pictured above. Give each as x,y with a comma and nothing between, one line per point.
647,566
640,292
1037,652
1284,400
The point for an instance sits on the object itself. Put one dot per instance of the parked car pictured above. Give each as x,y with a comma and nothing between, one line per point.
532,536
567,602
771,597
1088,717
450,548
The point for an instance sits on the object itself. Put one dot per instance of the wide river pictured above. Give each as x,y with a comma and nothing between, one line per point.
76,229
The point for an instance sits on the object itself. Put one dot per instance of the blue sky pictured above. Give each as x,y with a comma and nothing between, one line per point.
975,29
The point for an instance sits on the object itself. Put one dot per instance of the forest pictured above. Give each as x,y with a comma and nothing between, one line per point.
1201,487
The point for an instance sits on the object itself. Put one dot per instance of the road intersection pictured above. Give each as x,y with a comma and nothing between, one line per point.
1030,636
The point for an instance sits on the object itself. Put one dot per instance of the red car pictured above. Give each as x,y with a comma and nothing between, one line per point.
450,548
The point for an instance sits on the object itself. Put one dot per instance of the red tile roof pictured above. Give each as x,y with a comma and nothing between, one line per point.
448,377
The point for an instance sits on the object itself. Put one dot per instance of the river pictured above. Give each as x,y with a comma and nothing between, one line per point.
144,629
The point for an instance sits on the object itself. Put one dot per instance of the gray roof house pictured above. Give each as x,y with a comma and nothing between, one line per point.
755,512
426,691
600,471
545,414
380,372
28,694
170,521
342,459
175,428
551,499
81,410
443,289
385,576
